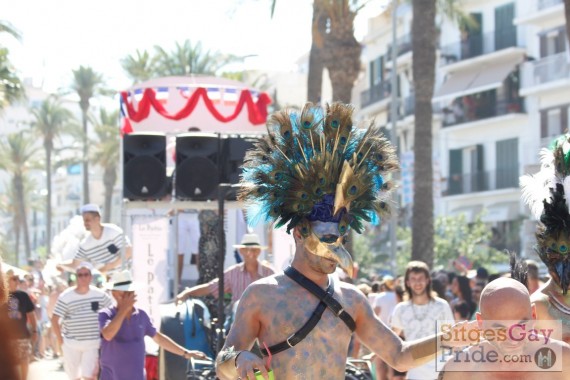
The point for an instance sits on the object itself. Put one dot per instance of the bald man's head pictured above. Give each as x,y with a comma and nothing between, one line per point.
505,298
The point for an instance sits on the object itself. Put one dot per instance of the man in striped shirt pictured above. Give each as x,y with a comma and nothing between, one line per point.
238,276
77,310
103,244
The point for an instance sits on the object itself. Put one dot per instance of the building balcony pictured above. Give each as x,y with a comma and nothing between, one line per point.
404,45
544,13
478,45
374,94
470,108
468,183
543,4
547,72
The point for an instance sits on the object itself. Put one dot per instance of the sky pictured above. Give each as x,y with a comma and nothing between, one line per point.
60,35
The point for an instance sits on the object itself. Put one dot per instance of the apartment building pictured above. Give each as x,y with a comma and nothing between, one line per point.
497,100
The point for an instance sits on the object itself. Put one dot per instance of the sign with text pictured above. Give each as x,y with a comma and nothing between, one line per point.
150,236
501,346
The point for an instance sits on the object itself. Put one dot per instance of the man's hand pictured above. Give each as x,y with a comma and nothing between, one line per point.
181,297
187,354
246,364
127,302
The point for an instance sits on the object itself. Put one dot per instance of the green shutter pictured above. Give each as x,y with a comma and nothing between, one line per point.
505,29
455,180
507,163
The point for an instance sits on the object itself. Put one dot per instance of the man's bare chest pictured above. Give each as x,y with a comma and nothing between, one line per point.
287,310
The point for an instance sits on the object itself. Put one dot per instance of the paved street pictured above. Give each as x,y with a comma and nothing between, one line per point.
46,369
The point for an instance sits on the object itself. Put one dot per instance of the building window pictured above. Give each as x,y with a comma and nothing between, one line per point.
552,42
554,121
507,164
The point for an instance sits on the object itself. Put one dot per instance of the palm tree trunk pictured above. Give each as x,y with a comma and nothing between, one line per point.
85,158
342,52
109,180
423,46
19,183
48,200
17,240
316,62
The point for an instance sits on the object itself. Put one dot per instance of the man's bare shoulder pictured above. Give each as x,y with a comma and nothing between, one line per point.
269,281
458,364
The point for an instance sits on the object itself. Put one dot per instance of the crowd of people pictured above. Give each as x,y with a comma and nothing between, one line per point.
318,176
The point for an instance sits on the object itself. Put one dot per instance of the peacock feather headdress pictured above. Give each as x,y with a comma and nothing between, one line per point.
547,193
315,165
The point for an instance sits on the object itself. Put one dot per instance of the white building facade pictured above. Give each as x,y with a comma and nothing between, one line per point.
501,94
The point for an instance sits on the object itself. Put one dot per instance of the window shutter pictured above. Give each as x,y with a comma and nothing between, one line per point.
505,30
543,46
564,119
543,124
507,163
455,179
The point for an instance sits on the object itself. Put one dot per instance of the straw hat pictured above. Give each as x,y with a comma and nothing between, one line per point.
122,281
250,241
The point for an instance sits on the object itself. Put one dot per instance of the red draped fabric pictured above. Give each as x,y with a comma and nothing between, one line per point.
257,111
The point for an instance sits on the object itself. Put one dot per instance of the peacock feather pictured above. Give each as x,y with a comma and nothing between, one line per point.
547,193
316,165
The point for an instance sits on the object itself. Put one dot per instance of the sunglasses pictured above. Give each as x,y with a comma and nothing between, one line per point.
84,274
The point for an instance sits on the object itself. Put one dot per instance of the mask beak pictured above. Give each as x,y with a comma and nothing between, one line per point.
343,258
334,251
563,271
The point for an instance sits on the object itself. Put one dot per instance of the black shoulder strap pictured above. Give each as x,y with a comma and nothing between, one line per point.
303,331
325,297
332,303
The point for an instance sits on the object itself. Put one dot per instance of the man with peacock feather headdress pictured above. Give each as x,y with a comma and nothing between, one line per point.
319,176
547,193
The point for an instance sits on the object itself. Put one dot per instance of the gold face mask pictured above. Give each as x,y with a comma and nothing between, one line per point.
325,241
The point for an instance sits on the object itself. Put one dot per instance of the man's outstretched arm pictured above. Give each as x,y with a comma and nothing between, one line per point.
235,360
385,343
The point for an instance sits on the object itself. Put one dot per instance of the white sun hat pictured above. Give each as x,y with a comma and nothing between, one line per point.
250,241
122,281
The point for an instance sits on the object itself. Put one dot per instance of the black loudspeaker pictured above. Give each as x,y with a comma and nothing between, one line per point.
197,166
234,153
144,166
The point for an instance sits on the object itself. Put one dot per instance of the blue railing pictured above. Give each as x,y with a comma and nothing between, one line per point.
474,110
467,183
375,94
477,45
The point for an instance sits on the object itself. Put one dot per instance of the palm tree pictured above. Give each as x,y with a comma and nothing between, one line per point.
87,83
341,49
6,27
107,155
333,46
50,120
423,67
10,86
316,54
424,40
139,67
17,153
188,59
185,59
